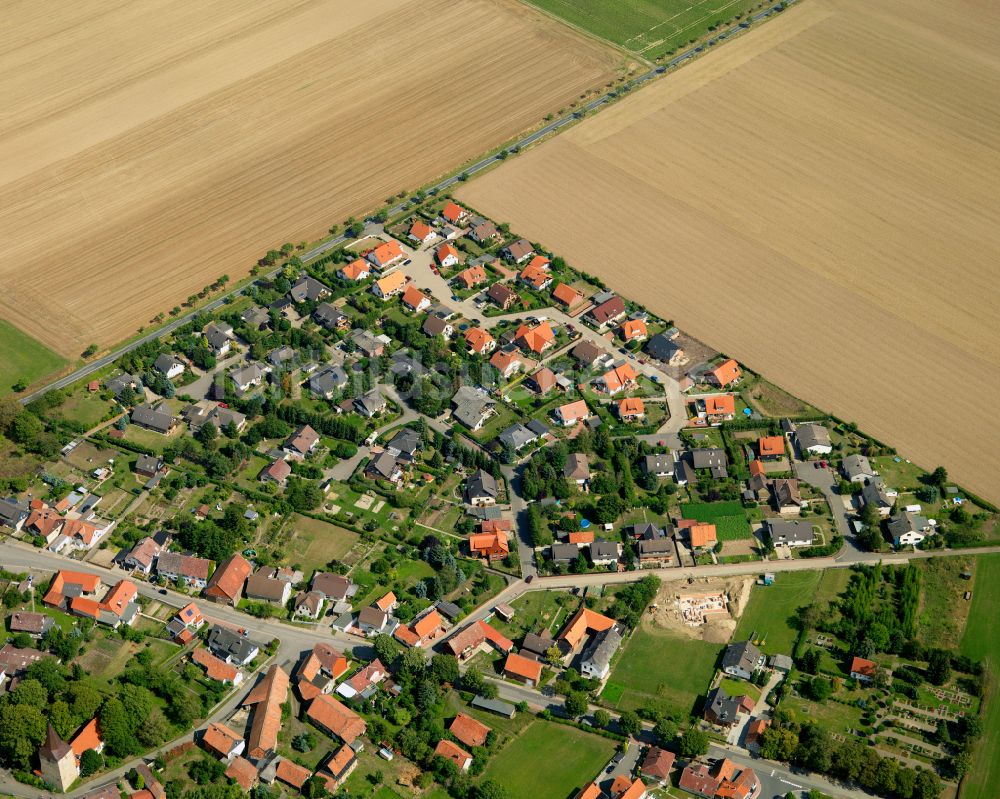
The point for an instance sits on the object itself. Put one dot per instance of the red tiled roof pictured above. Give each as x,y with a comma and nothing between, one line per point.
89,583
726,372
444,251
227,581
864,667
477,339
243,771
771,445
633,328
472,276
450,751
215,668
567,295
658,762
420,230
573,410
702,535
426,625
535,338
413,297
220,739
87,738
631,406
388,251
521,666
386,602
268,696
488,543
336,717
581,537
292,773
720,405
453,212
584,622
355,270
468,730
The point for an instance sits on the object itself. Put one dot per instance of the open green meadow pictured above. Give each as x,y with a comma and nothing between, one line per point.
550,760
770,614
647,27
660,670
982,642
728,517
23,359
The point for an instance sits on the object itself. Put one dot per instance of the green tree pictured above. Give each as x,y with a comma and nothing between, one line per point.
938,666
90,762
491,789
445,669
665,730
30,692
630,723
693,743
576,703
602,718
22,730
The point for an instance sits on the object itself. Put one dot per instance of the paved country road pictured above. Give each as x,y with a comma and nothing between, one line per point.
448,182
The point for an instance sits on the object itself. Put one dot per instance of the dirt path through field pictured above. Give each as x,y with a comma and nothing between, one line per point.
141,161
817,198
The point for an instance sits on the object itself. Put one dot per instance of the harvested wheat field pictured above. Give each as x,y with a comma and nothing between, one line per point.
146,148
817,198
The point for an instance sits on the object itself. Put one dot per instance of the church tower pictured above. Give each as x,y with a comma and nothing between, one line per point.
58,763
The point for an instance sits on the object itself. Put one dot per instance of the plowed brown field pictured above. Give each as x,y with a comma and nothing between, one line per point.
818,198
148,147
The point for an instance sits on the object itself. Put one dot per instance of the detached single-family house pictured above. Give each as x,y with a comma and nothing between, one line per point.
631,409
277,471
724,710
177,567
308,289
518,251
621,378
507,363
436,326
790,533
226,583
300,443
471,277
454,213
422,233
875,493
390,285
264,585
742,660
331,317
771,447
608,313
665,349
415,299
634,330
724,374
814,439
786,495
566,295
908,529
522,669
247,377
863,670
328,381
356,270
492,545
577,469
157,418
372,620
481,488
595,662
169,365
386,254
502,295
371,404
660,464
480,341
219,337
571,413
446,256
857,469
484,231
535,339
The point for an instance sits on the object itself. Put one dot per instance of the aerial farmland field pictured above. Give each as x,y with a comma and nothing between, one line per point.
140,162
838,166
648,28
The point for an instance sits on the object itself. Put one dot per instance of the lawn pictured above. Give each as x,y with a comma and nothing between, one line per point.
728,517
535,611
315,543
550,760
648,27
943,610
770,614
982,641
22,358
660,670
84,408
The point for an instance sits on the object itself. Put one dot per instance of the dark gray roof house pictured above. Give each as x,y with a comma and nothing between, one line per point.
155,418
720,708
167,363
13,513
661,464
565,553
857,468
646,531
256,317
662,348
371,404
742,659
436,326
230,646
537,427
329,317
327,381
604,551
595,661
790,533
404,444
481,486
116,385
712,458
308,289
282,356
516,436
873,492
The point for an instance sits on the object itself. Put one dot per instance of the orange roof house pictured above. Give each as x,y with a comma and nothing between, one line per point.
427,625
87,738
63,580
468,730
113,608
618,378
415,299
544,380
221,741
492,545
472,276
634,330
267,697
320,667
456,754
215,668
80,530
422,232
757,468
292,773
566,295
522,669
387,603
720,405
44,521
243,772
628,788
386,253
755,728
338,767
479,340
506,363
572,412
454,213
336,718
467,641
725,373
584,622
447,255
771,446
226,584
590,791
862,669
703,535
357,269
631,408
537,339
535,276
390,285
580,537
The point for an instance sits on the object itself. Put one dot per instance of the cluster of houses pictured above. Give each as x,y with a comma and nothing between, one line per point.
71,525
85,595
